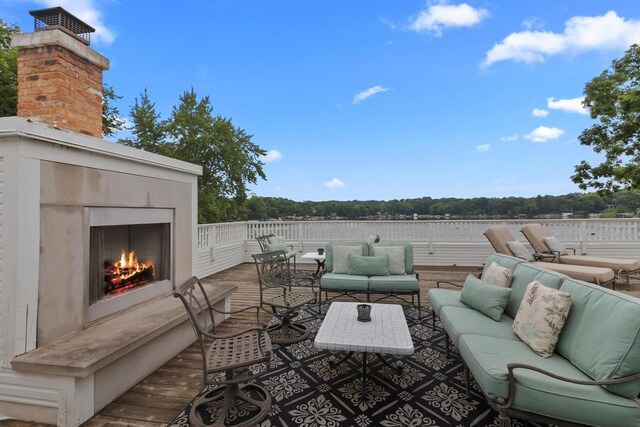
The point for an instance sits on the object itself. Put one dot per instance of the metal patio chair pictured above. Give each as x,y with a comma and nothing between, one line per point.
271,242
276,294
228,361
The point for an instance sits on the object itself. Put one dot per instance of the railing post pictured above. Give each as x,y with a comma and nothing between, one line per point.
213,243
583,237
299,236
430,234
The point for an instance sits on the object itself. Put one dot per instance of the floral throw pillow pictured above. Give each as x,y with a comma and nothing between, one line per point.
541,316
498,275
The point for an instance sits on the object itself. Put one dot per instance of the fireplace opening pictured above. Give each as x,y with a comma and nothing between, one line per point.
126,257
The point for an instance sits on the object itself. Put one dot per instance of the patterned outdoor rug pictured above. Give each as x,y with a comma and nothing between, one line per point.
306,392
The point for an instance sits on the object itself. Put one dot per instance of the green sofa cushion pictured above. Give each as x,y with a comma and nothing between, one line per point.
524,274
368,265
439,298
602,334
408,253
503,261
407,283
459,321
328,252
487,298
487,359
344,282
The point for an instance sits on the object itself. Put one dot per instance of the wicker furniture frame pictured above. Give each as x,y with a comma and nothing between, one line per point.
275,281
231,355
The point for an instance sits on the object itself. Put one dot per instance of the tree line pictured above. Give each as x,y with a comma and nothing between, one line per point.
580,205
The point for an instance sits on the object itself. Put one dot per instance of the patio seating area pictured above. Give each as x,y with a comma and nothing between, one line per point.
160,397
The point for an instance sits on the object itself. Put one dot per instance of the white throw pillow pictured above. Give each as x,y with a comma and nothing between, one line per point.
276,240
541,316
519,250
341,257
396,257
555,245
498,275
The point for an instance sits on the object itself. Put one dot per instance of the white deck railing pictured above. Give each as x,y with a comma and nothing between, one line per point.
224,245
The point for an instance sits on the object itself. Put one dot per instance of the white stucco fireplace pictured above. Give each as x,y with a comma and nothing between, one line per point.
71,207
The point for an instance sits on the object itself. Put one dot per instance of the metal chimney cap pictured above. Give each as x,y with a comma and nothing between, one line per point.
58,18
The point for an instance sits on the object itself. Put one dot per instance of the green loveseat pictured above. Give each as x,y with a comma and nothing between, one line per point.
385,285
592,378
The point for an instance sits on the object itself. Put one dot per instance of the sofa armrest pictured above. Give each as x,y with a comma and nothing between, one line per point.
512,380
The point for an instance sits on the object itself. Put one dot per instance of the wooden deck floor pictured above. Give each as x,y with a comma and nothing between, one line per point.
162,395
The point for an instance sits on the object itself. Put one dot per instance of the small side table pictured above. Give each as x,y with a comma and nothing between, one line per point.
319,259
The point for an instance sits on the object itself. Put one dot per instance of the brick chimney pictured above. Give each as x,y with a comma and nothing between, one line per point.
59,75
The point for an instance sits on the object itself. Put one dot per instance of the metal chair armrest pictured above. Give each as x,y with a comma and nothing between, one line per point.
251,307
512,380
444,282
543,256
572,249
258,329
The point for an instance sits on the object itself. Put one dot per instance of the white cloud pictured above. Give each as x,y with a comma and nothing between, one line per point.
440,16
86,11
368,93
581,33
544,134
271,156
510,138
483,148
334,183
573,105
537,112
534,23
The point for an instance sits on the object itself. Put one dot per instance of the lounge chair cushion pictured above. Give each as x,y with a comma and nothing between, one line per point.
498,275
541,317
580,272
487,359
439,298
458,321
344,282
406,283
602,334
535,234
518,249
616,264
487,298
396,257
524,274
555,245
368,265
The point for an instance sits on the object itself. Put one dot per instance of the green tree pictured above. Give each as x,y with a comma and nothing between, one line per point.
111,120
229,159
613,98
8,71
147,130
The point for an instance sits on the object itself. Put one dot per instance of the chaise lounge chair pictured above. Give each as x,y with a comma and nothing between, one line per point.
540,239
501,238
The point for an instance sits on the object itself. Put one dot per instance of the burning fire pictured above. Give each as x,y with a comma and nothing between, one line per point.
126,273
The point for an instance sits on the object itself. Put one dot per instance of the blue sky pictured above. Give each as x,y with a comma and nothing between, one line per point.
375,99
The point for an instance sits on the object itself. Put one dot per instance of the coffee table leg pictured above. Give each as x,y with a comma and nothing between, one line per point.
364,377
383,360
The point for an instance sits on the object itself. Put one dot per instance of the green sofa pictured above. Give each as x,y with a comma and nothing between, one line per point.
385,285
592,378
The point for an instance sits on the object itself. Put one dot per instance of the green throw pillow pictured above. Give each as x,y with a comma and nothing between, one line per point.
272,247
369,265
486,298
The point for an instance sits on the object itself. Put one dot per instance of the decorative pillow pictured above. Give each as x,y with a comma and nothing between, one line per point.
519,250
555,245
373,238
486,298
276,240
541,316
271,247
396,257
341,257
498,275
369,265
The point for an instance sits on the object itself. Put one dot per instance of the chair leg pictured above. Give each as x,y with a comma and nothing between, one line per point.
466,380
419,307
433,319
446,344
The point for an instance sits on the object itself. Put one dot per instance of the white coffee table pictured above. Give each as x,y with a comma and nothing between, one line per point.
319,259
386,333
